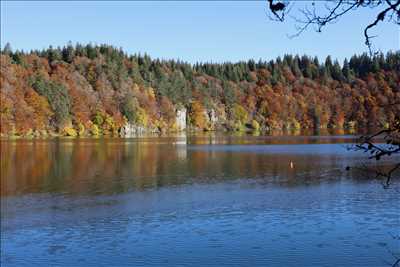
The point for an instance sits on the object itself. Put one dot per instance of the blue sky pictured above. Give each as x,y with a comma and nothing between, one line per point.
190,31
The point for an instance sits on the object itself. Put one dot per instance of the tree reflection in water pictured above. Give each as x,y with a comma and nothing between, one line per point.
105,166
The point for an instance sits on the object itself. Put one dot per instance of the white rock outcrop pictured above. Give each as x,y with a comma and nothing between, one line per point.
132,130
213,117
181,119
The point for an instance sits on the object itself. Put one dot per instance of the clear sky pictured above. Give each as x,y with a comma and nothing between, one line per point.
190,31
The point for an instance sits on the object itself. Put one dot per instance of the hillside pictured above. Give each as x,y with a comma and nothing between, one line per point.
100,90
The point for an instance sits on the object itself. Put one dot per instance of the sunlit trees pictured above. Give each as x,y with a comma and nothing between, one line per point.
198,115
41,109
82,83
167,110
57,96
133,112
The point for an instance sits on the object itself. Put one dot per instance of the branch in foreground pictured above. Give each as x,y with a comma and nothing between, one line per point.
377,150
312,16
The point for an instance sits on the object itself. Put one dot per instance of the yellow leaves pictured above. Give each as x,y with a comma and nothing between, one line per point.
6,115
104,123
142,118
109,126
6,105
197,115
238,126
150,92
386,125
99,123
94,130
41,107
255,125
81,129
295,124
167,110
174,127
70,131
133,112
240,114
161,125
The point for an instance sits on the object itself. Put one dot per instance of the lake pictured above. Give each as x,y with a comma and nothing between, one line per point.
211,200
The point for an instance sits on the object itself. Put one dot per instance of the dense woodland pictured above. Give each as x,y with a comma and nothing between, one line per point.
95,90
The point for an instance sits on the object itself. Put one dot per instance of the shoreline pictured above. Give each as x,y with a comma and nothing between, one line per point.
199,133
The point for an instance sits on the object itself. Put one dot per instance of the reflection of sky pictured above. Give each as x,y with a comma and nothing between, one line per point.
112,202
307,149
232,223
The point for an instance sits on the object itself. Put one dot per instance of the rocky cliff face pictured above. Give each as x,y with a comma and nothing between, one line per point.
181,115
133,130
212,116
212,119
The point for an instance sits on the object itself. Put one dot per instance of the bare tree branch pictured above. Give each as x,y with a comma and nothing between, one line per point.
391,137
276,8
311,16
380,17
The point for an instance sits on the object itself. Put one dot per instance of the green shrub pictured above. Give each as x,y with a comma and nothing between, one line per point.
98,118
129,107
133,112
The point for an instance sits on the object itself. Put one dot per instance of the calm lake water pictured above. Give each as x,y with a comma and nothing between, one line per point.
196,201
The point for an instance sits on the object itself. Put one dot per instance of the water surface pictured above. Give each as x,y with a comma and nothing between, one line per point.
195,201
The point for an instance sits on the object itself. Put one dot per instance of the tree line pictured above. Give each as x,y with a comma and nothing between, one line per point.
96,89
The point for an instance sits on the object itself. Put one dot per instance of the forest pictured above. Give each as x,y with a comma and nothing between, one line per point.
93,90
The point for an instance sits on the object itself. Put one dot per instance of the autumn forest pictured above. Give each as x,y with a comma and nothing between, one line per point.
91,90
